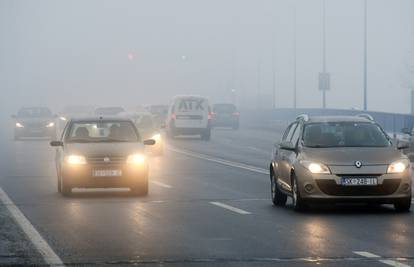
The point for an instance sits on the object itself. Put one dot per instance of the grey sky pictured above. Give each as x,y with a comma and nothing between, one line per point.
64,52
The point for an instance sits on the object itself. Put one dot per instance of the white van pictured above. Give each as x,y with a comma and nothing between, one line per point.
189,115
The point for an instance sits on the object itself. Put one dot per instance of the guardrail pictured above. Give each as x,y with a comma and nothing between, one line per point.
278,119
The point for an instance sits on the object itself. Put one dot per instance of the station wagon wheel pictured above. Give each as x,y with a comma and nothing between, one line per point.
278,197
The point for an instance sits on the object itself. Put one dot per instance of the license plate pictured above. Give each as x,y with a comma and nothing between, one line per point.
106,173
358,181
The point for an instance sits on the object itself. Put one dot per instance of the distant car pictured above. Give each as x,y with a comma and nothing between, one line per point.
34,122
225,115
339,159
109,111
189,115
159,113
100,153
74,112
147,129
407,136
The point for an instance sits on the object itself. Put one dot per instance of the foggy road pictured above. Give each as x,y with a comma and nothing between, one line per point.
208,203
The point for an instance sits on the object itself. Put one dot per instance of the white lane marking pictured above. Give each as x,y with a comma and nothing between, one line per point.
374,256
49,256
161,184
366,254
228,207
219,160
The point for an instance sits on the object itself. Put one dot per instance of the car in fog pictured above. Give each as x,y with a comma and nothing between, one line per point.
109,111
159,113
189,115
339,159
101,153
147,129
69,112
34,122
225,115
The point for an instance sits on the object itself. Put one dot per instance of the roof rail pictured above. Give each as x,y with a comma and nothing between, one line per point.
304,117
366,116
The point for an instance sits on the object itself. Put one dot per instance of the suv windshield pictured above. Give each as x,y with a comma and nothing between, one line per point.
107,131
34,113
344,134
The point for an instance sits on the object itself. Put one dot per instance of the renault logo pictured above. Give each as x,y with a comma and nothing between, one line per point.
106,159
358,164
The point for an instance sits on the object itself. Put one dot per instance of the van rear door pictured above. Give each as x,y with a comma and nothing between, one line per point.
191,112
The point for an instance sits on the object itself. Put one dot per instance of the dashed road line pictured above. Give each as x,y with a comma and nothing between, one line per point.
49,256
161,184
370,255
220,161
231,208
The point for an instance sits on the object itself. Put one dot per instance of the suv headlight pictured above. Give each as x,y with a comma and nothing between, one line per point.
136,159
75,160
19,125
50,125
398,166
315,167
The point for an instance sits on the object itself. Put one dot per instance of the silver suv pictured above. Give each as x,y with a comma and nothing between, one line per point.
339,159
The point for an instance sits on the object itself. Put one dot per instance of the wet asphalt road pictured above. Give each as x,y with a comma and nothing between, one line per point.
199,212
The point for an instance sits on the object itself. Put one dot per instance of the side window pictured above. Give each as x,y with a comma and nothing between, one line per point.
295,136
289,132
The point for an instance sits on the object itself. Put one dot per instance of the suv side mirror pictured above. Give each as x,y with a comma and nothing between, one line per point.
149,142
56,143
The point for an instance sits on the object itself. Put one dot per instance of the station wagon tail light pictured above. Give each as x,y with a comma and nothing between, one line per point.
75,160
173,116
210,115
315,167
398,166
136,159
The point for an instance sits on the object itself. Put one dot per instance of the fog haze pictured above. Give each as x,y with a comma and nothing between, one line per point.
141,52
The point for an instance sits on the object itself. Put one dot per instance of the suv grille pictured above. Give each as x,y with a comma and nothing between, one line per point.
329,187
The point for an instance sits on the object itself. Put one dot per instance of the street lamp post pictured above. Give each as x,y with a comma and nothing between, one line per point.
365,55
324,49
294,59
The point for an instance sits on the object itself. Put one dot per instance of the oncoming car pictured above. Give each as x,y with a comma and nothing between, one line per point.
101,153
109,111
34,122
147,129
339,159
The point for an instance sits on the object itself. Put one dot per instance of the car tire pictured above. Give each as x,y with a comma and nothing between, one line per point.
141,188
206,135
65,187
59,184
403,205
297,200
278,197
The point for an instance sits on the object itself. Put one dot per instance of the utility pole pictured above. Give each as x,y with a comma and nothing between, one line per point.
365,55
259,67
294,59
324,49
